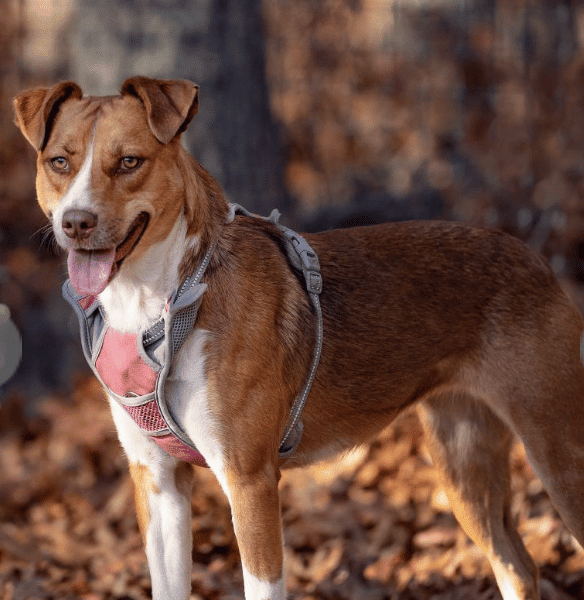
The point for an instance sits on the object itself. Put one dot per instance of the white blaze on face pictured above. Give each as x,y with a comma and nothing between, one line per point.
89,271
78,196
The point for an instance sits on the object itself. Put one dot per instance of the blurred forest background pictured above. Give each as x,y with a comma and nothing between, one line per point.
338,112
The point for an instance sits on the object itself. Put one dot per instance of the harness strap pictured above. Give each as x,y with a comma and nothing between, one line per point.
178,320
303,257
156,331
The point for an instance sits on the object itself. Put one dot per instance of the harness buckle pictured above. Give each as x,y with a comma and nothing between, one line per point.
314,282
310,264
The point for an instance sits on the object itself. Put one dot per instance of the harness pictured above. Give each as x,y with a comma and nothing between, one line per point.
133,367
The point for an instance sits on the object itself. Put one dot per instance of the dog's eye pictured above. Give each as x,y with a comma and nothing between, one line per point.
129,163
60,164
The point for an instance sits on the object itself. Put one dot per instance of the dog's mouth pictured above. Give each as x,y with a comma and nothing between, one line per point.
135,233
91,270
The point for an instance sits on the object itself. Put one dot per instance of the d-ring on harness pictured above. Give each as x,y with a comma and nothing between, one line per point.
133,368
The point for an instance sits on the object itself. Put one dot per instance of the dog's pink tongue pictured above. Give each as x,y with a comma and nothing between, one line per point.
90,270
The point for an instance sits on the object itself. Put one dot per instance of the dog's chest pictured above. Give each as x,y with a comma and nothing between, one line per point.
128,308
174,392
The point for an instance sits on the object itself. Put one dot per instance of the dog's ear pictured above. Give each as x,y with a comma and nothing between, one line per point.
35,110
170,103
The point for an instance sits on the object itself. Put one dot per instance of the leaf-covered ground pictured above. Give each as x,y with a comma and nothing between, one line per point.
373,526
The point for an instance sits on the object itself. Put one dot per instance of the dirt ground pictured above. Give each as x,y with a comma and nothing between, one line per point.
373,526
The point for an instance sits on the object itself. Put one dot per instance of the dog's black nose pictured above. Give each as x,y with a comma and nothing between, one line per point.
79,223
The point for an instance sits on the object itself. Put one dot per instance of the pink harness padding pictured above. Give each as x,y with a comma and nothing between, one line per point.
177,448
122,368
123,371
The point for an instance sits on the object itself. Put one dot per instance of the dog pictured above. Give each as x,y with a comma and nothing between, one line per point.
467,324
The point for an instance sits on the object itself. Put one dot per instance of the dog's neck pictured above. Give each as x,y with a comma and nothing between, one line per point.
206,211
136,296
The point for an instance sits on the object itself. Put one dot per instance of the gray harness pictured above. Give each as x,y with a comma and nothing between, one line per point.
146,364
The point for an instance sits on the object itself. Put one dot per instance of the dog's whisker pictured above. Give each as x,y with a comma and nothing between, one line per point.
46,238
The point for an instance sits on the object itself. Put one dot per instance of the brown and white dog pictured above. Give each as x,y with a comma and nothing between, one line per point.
468,324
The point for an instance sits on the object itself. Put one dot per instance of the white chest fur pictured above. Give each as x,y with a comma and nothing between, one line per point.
135,298
187,396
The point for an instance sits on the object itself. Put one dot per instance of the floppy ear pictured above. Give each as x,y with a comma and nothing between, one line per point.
170,103
35,110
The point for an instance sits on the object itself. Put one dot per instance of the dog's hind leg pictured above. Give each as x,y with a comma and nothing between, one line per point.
470,447
547,413
532,376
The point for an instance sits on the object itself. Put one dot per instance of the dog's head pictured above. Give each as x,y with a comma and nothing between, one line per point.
108,171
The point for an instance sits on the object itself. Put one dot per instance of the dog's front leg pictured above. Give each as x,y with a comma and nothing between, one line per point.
255,507
163,505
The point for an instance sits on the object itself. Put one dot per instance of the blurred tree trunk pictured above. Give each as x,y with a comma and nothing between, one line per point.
219,45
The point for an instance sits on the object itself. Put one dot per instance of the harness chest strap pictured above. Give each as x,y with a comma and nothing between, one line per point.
133,368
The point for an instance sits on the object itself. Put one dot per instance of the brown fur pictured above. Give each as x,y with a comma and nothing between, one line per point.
468,323
143,487
260,540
